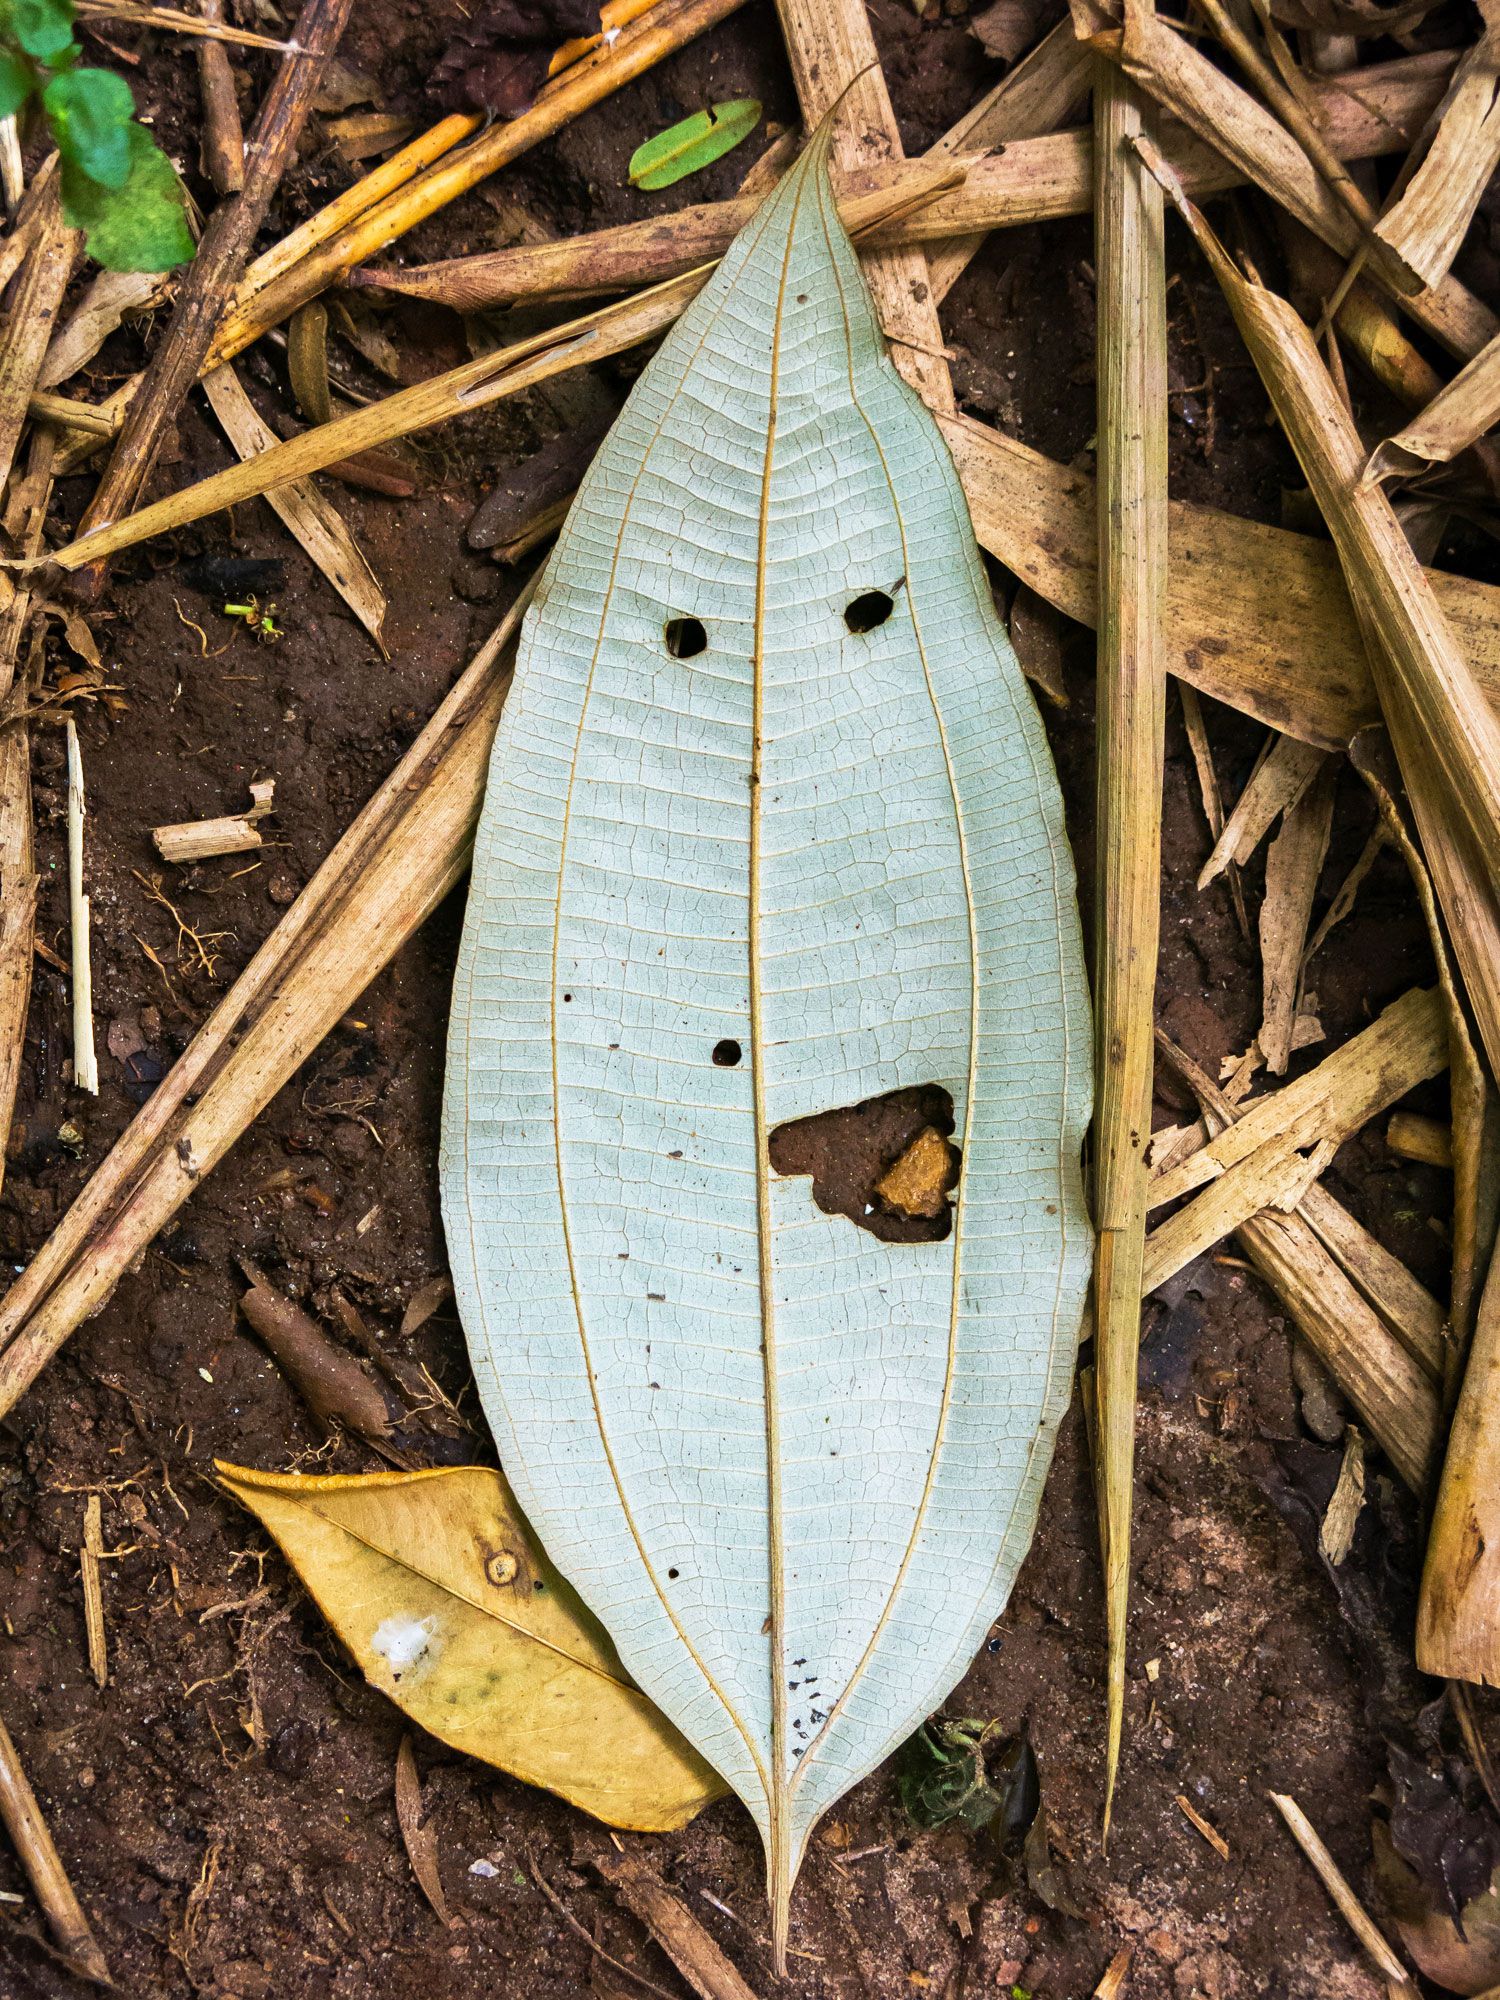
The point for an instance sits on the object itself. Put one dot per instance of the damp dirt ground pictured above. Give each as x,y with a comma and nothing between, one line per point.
225,1803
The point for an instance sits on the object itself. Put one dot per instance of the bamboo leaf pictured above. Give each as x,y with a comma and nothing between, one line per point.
438,1588
771,831
693,143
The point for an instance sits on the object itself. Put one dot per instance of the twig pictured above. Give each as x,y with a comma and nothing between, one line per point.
617,1965
215,270
223,146
28,325
471,386
393,866
1129,758
675,1928
1348,1904
666,27
33,1843
1195,1819
178,22
85,1064
1033,179
93,1596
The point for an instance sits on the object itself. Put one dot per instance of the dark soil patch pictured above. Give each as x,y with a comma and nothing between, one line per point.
225,1804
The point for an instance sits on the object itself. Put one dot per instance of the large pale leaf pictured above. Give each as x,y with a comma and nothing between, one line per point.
793,1468
437,1587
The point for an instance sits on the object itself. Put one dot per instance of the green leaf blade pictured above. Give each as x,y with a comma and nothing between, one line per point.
44,28
140,226
91,112
15,82
694,143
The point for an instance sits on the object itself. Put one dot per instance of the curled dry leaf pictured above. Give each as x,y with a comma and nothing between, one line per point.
439,1589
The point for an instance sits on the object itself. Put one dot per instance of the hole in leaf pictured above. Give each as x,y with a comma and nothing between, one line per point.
888,1164
727,1053
673,1574
685,637
869,609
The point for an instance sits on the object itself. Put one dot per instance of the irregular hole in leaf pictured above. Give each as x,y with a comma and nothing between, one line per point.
887,1163
727,1053
869,609
685,638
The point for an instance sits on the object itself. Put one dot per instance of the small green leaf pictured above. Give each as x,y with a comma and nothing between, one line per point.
44,28
91,111
138,227
15,82
694,143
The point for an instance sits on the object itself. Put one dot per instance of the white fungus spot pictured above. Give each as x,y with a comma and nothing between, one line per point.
405,1642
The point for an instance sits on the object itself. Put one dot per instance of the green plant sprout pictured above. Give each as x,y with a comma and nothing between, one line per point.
118,186
262,623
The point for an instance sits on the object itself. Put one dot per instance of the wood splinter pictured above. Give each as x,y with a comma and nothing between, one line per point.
231,833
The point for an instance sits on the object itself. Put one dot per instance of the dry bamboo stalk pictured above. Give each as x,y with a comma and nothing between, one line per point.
1429,221
1450,422
1276,1175
1034,179
49,1879
1187,85
1405,1304
68,414
397,861
28,325
1427,1140
1446,735
85,1063
1293,864
1347,1903
315,523
832,52
1257,617
222,253
460,390
223,145
1278,784
667,27
1458,1615
1129,759
93,1593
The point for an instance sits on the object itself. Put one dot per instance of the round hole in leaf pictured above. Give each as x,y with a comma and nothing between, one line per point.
869,609
686,638
727,1053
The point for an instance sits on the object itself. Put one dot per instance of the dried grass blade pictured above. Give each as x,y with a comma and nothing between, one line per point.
1427,224
666,27
388,872
1293,865
1189,86
1447,737
1450,422
1458,1614
315,523
1130,734
1279,781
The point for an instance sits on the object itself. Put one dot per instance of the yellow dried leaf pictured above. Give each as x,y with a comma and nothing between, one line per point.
439,1589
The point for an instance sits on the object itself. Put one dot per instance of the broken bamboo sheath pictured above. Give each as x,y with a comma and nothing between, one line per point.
1029,180
215,270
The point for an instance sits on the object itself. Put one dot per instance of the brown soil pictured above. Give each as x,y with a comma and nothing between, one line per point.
225,1804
